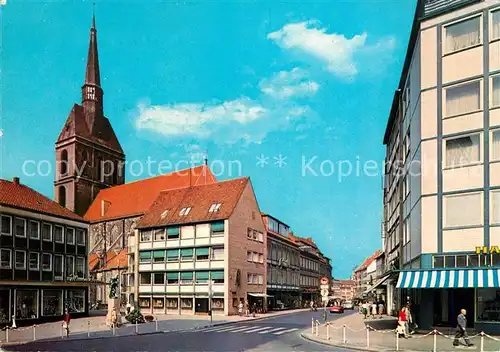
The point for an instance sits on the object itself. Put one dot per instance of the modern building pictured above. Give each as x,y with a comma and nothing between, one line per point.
444,127
43,257
202,248
283,265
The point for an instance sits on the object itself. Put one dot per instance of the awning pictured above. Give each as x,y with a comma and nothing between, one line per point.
258,295
378,283
466,278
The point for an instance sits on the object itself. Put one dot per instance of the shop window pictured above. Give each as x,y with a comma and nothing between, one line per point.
473,261
173,233
80,237
52,302
218,303
70,235
159,235
495,259
58,234
172,278
217,277
187,254
158,303
201,253
46,232
6,225
488,305
172,303
20,260
34,230
449,261
145,236
187,278
26,304
484,260
217,253
158,256
47,262
159,279
70,266
186,303
144,302
172,255
438,262
202,277
461,261
145,257
20,227
145,278
217,228
5,259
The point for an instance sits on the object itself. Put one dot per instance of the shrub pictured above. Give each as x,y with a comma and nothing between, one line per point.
135,316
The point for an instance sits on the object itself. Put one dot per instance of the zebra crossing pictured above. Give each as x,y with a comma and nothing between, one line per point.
251,329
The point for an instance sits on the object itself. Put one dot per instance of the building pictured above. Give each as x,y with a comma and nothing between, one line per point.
89,157
43,257
283,265
343,290
364,276
200,248
443,133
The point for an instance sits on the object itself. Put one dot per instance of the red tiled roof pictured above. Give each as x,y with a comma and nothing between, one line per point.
135,198
199,198
369,260
20,196
114,260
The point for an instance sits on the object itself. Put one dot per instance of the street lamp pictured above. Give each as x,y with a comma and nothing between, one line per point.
210,282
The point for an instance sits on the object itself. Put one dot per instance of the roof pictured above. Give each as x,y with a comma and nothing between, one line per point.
199,199
272,217
369,260
135,198
344,282
114,260
17,195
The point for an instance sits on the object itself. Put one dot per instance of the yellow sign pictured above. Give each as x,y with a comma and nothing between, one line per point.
486,250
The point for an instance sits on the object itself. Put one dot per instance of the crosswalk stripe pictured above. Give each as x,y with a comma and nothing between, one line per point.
223,328
228,329
257,329
243,329
272,330
285,331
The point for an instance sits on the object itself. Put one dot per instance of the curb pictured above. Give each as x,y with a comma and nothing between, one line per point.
340,345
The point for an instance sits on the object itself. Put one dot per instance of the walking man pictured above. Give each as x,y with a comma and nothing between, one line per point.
462,329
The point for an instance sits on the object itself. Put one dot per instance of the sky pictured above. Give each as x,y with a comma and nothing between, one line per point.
294,94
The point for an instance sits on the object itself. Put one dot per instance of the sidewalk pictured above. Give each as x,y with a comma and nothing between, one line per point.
95,327
383,338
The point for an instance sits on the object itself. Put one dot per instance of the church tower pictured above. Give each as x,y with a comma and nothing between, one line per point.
88,155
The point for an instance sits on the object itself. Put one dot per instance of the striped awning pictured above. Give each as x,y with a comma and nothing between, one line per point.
466,278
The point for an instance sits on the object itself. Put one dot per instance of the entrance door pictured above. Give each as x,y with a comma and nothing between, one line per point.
201,305
462,298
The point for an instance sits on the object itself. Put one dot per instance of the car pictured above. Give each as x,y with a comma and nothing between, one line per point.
348,305
337,309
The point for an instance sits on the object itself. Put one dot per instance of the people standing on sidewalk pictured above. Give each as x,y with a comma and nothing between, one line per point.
65,324
380,308
247,309
240,308
403,323
364,309
462,329
374,309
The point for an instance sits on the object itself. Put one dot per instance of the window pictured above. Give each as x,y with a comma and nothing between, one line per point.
58,266
249,256
144,302
217,228
70,235
462,99
158,303
145,257
187,254
21,260
159,235
76,300
217,277
80,267
218,253
26,304
495,199
187,278
159,279
462,210
487,303
214,208
461,261
173,233
187,232
463,34
255,257
5,259
145,236
33,263
495,25
172,278
172,302
449,261
250,278
462,151
260,278
58,234
202,277
495,83
172,255
80,237
164,214
70,266
52,302
145,278
185,211
46,262
202,253
46,232
473,261
261,258
20,227
495,142
186,303
158,256
6,225
438,262
34,230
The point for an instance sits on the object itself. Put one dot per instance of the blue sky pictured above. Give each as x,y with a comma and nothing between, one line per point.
310,81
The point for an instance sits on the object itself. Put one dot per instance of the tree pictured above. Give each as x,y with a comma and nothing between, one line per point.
135,315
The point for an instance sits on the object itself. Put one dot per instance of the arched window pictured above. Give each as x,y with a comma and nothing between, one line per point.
62,196
64,162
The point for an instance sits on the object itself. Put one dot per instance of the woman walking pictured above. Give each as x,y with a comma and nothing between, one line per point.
65,324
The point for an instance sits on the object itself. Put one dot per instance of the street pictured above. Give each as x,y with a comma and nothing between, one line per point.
280,333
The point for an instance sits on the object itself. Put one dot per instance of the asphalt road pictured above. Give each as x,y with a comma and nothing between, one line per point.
275,334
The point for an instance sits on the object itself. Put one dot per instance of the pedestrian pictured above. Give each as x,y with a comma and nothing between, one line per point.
462,329
312,306
114,318
380,308
240,308
364,309
403,323
247,308
65,324
128,307
254,309
374,309
409,319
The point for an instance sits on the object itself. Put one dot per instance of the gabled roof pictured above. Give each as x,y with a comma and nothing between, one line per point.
135,198
76,126
17,195
114,260
167,207
369,260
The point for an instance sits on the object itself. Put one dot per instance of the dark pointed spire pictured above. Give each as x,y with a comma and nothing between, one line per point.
92,75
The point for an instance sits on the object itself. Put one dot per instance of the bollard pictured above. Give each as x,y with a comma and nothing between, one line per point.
317,328
343,334
114,329
34,332
7,334
312,326
435,340
156,322
482,341
136,327
88,328
367,337
397,341
328,331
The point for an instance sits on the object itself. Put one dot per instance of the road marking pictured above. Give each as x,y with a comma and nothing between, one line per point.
285,331
272,330
245,328
220,328
257,329
227,329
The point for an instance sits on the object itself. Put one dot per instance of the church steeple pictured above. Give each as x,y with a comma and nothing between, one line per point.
91,90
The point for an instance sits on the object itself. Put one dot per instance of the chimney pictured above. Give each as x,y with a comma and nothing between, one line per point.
16,180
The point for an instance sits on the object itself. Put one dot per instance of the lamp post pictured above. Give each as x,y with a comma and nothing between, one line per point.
210,282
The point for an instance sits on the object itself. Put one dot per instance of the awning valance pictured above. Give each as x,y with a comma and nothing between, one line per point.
378,283
465,278
258,295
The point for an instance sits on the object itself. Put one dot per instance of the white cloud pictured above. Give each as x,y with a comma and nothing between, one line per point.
337,52
289,84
